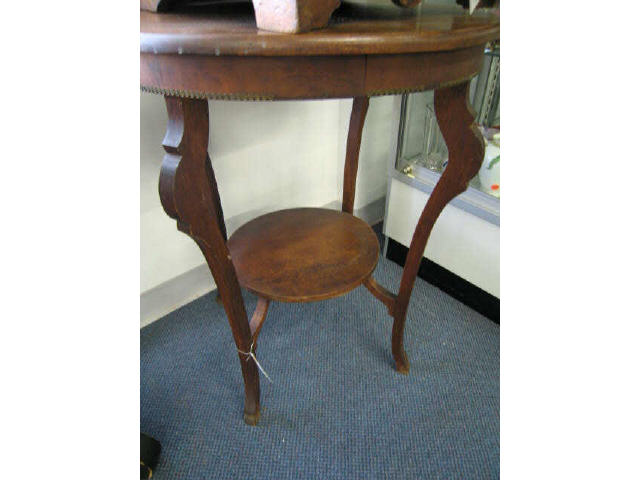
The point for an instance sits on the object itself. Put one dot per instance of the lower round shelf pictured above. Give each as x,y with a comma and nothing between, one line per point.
303,254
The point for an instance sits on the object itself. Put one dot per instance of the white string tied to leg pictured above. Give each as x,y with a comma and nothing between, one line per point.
252,355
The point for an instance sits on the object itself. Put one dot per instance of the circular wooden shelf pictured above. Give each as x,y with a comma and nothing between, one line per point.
303,254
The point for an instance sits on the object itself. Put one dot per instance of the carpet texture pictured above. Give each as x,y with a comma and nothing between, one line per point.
336,409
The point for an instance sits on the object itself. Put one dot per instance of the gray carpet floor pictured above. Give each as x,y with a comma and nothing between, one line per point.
336,409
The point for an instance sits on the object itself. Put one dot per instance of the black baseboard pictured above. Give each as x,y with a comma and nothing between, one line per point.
450,283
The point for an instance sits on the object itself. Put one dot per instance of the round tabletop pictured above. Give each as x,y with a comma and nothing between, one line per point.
353,30
218,52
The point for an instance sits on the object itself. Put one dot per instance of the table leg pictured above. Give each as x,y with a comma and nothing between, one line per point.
189,194
354,138
257,320
218,205
466,151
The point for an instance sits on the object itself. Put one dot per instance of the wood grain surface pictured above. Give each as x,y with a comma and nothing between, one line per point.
359,109
353,30
303,254
189,194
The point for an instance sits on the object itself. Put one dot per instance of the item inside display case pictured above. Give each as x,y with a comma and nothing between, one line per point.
488,178
423,153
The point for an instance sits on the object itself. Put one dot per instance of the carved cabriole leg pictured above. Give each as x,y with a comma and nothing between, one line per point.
466,150
189,194
354,138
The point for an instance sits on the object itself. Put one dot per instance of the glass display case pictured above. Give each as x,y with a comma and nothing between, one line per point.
422,152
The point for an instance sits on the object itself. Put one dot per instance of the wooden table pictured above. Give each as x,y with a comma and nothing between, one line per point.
303,255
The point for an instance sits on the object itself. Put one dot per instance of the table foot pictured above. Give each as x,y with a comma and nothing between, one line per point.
397,342
402,361
251,419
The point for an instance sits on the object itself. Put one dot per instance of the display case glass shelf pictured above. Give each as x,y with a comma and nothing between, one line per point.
422,153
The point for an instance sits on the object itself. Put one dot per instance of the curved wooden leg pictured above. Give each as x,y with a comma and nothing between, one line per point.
385,296
466,150
354,138
189,194
259,315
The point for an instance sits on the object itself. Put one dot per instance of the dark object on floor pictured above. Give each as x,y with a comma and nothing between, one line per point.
336,408
450,283
149,454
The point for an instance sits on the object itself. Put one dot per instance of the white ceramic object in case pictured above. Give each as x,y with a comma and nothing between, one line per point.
490,174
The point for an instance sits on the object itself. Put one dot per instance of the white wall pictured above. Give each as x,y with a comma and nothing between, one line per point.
266,156
460,242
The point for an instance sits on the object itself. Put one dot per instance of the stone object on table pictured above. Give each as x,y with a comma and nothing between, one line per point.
293,16
283,16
